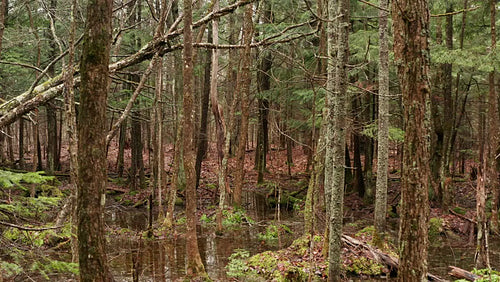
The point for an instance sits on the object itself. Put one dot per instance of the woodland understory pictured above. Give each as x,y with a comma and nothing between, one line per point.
274,140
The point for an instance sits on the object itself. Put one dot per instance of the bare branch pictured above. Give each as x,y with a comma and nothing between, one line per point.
28,228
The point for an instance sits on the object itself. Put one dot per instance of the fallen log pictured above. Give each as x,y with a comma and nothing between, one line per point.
462,274
462,217
391,262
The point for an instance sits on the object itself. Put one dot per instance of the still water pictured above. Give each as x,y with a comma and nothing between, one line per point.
164,259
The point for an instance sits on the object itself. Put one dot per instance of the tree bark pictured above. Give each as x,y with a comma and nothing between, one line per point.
195,266
411,50
338,14
494,133
92,174
263,84
383,127
243,80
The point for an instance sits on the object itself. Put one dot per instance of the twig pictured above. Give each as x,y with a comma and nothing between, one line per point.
28,228
455,13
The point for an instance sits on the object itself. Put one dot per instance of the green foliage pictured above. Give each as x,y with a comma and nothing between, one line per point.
181,221
10,269
273,232
50,267
206,219
237,266
31,207
395,134
235,217
460,210
10,179
366,231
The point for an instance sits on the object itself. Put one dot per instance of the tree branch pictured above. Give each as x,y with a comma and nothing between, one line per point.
28,228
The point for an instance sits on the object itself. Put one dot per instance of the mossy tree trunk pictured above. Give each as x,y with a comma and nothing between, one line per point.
339,16
411,49
383,126
92,130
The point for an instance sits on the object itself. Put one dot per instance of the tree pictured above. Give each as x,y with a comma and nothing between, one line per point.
383,124
243,85
92,130
195,266
338,54
411,51
264,84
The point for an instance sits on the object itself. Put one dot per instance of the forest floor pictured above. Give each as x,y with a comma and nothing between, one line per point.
451,231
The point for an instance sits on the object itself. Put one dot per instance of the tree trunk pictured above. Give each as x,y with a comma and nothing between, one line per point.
52,140
494,132
21,144
92,142
383,127
339,15
195,266
243,80
71,131
202,137
136,177
120,163
263,84
482,258
411,31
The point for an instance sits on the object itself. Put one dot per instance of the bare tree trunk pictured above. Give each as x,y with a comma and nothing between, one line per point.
482,257
263,84
120,163
92,175
202,138
243,80
411,31
493,133
195,266
220,126
20,147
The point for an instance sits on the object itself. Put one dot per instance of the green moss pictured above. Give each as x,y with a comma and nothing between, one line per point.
365,266
366,231
435,227
460,210
273,267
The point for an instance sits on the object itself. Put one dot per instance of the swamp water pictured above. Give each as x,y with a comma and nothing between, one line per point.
133,259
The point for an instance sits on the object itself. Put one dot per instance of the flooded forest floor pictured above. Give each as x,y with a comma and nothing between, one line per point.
262,242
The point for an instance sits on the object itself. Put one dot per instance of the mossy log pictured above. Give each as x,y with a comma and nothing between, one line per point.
391,262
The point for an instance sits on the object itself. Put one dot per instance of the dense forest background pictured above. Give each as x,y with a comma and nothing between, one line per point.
332,107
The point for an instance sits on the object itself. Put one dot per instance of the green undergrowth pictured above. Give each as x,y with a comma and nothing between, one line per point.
273,232
232,218
28,205
303,260
294,263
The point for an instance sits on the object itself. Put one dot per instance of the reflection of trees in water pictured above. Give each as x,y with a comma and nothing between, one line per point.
135,259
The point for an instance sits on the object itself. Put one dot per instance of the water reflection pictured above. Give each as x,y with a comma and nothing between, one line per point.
164,260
